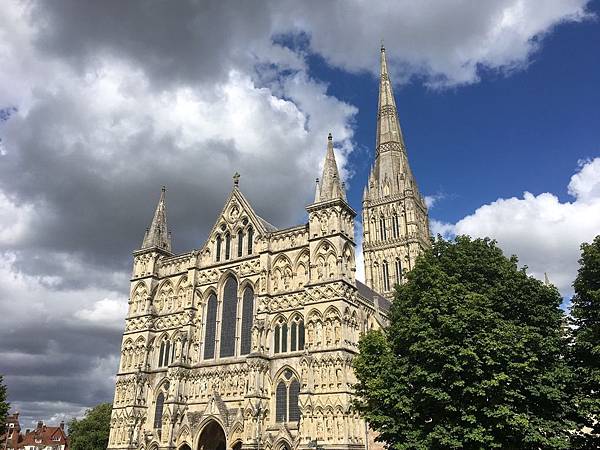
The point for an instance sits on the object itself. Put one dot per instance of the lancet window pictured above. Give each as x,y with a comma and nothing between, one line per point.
250,239
382,232
288,336
240,243
227,245
228,317
210,327
166,353
247,317
395,226
386,276
158,411
398,271
218,249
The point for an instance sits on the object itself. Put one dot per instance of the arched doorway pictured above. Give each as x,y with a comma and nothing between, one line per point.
212,437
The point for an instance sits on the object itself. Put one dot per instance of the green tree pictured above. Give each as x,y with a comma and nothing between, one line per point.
585,312
91,432
473,357
4,405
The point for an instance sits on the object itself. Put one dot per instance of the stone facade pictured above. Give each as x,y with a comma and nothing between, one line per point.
248,342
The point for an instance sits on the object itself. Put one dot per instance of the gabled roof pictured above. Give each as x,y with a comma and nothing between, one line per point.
261,226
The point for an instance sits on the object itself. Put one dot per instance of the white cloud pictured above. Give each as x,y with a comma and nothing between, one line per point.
446,42
106,312
542,231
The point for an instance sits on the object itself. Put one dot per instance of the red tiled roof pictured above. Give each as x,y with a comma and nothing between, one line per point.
45,435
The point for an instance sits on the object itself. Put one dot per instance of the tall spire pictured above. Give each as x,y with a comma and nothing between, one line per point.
157,235
389,133
330,186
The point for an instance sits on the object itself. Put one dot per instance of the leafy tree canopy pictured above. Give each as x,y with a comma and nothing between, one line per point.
4,405
91,432
585,312
473,357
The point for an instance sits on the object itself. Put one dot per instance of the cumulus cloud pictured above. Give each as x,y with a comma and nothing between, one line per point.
102,103
542,231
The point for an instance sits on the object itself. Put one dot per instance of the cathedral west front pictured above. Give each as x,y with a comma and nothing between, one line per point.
247,343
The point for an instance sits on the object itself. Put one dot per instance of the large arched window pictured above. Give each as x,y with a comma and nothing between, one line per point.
227,245
286,398
293,409
247,317
158,411
386,276
281,403
228,317
218,249
240,244
250,239
210,327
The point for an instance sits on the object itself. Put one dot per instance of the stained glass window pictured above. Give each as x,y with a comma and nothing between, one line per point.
281,403
158,411
293,336
250,239
294,410
227,246
386,276
160,355
210,327
276,339
284,333
301,335
240,243
247,316
228,317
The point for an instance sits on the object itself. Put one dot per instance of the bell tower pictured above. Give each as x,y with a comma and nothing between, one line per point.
395,222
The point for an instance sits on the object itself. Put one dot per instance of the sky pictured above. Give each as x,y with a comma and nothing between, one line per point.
102,103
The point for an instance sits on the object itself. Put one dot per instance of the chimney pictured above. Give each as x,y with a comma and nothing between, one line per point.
27,431
62,425
40,424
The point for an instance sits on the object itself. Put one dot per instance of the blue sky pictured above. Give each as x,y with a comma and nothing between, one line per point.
511,132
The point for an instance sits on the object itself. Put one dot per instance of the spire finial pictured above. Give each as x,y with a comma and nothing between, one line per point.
163,188
157,234
382,46
236,179
329,137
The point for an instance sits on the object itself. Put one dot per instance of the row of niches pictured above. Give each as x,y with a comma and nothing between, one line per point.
125,430
322,330
329,221
331,426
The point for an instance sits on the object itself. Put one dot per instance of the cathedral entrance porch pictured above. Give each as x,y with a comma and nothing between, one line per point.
212,437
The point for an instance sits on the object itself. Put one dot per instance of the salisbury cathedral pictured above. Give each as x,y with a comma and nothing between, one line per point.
248,342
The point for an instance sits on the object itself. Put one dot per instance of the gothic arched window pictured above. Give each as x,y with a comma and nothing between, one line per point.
218,250
297,335
161,354
158,411
398,271
277,339
240,244
228,317
250,239
227,245
386,276
294,410
382,232
395,226
247,317
281,403
210,327
284,335
286,398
